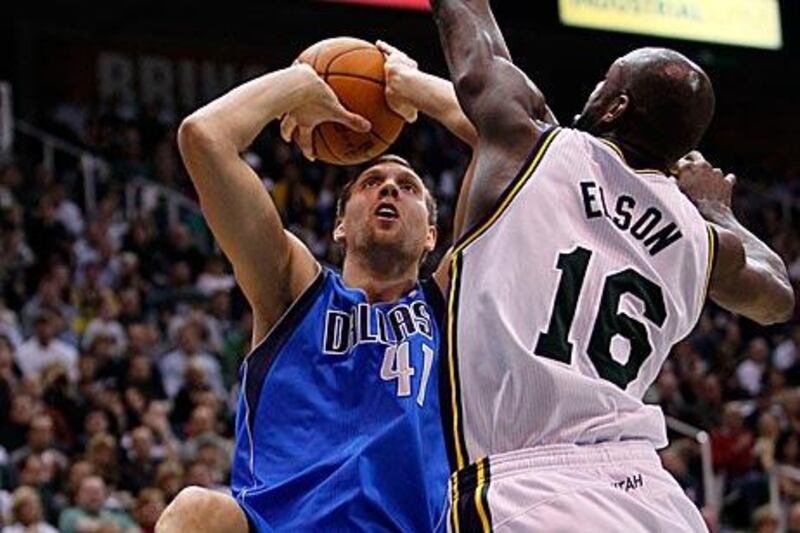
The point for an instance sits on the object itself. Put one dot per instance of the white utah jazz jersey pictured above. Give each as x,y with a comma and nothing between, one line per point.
566,300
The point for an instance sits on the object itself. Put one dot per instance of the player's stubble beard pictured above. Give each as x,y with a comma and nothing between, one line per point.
387,255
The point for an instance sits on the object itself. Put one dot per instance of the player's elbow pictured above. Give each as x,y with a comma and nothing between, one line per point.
784,305
195,134
469,86
779,309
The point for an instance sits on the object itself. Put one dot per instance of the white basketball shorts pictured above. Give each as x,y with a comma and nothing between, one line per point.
611,487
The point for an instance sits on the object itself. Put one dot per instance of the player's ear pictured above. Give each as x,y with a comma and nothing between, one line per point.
338,232
616,109
430,239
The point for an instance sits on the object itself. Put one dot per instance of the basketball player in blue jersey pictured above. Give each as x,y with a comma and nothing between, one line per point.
581,263
338,424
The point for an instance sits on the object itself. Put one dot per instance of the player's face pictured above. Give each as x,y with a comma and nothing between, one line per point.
387,212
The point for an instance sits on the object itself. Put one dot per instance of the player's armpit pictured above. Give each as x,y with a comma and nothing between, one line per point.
755,286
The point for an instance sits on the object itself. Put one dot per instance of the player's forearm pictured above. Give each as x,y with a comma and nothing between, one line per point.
773,298
233,120
755,250
437,98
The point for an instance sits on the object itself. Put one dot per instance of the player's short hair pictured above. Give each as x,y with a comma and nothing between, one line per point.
347,189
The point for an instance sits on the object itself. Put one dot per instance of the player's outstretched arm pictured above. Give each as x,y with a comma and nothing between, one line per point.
748,278
271,266
495,95
499,99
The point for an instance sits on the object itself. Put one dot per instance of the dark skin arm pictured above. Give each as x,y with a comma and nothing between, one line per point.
499,100
748,278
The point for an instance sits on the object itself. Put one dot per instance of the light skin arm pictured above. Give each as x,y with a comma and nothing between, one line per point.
409,90
748,278
272,266
500,101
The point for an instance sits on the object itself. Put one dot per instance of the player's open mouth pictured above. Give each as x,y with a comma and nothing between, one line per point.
387,211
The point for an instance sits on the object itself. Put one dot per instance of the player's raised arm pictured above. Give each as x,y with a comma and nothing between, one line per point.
271,265
495,95
502,103
748,278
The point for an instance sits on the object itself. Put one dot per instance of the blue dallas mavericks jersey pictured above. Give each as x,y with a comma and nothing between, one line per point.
338,425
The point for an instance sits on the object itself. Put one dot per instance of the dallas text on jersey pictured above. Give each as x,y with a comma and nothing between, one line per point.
647,226
344,330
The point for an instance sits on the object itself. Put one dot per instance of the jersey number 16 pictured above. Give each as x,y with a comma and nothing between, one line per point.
554,342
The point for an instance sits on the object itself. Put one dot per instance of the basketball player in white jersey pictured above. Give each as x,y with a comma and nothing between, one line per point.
581,264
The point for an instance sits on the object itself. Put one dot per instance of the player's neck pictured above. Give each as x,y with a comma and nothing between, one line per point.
636,156
381,283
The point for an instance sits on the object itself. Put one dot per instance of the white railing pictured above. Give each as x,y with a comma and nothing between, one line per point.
141,194
93,168
711,496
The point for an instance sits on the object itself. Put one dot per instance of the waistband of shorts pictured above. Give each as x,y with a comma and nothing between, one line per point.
551,456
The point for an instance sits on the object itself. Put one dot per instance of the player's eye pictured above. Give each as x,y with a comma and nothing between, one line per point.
371,182
409,187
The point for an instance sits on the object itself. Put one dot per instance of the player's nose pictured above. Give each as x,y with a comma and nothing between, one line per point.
389,188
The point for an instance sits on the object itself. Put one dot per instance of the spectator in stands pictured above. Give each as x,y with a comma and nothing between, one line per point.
67,211
36,473
26,513
732,443
765,520
106,324
769,430
675,459
214,278
44,349
40,442
48,297
149,506
90,512
103,455
750,372
47,237
177,364
786,356
170,479
788,453
203,429
141,462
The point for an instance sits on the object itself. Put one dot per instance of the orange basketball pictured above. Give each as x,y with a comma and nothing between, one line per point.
353,68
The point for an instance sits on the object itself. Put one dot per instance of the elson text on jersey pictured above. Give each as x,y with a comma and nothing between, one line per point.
643,225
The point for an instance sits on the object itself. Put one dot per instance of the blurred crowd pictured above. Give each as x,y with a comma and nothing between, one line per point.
121,336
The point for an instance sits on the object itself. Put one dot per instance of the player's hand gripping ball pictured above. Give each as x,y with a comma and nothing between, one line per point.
354,69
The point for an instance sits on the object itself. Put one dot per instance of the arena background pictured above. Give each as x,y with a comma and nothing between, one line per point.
101,245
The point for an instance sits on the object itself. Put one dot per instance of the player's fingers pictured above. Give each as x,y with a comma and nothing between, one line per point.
694,155
288,124
305,142
681,166
353,121
385,47
731,179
